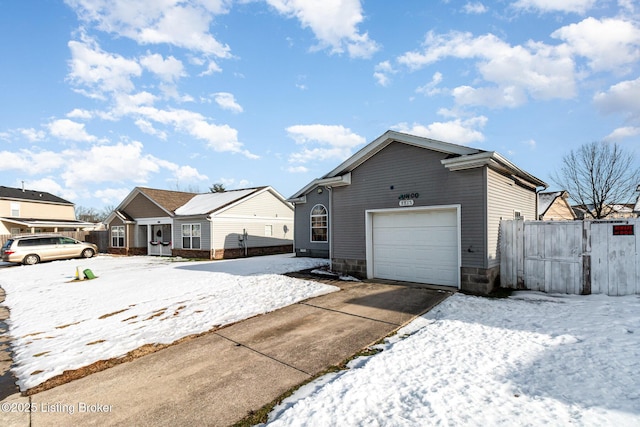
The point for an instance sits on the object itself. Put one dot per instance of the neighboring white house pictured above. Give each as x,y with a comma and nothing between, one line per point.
229,224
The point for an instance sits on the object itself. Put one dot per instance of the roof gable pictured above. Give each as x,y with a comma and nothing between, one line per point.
390,136
166,200
459,157
31,196
203,204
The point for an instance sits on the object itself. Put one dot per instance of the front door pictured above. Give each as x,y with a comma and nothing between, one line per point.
160,242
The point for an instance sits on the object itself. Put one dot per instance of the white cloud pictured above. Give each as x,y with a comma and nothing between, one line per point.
99,72
51,186
323,142
32,135
474,8
531,143
431,88
227,101
147,127
189,174
608,44
78,113
222,138
382,71
492,97
69,130
621,98
119,162
623,133
575,6
176,22
31,162
232,183
112,195
168,70
539,70
456,131
333,22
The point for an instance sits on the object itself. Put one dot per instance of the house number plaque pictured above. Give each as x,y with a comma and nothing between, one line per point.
623,230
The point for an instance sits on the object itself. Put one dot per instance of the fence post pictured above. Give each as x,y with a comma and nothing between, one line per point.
586,258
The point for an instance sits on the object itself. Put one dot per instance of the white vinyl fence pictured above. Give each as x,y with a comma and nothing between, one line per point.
574,257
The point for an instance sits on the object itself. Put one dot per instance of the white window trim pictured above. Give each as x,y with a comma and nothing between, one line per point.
115,233
15,207
311,216
191,236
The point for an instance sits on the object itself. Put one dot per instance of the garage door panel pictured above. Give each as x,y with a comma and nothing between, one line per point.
416,246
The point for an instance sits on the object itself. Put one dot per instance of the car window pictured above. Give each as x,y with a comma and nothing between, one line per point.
28,242
67,241
7,244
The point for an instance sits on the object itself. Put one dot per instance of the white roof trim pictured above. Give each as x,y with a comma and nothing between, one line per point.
494,161
49,223
334,181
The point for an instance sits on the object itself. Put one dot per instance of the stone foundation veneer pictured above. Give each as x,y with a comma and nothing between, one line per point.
207,254
353,267
481,281
127,251
232,253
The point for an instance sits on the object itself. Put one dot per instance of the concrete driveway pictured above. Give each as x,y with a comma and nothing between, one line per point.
218,378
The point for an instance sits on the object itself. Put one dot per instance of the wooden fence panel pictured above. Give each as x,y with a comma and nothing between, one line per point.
575,257
511,250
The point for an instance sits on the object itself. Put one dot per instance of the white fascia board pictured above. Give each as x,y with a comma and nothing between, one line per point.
334,181
154,221
494,161
301,199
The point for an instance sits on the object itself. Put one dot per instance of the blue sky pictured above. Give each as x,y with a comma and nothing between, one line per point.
100,96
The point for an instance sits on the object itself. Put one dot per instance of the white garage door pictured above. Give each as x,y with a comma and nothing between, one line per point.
416,246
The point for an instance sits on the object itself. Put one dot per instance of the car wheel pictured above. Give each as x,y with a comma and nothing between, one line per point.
87,253
31,259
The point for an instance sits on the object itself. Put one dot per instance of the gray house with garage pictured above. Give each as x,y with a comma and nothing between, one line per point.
414,209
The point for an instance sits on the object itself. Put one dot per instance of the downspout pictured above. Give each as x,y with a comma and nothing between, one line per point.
212,249
330,228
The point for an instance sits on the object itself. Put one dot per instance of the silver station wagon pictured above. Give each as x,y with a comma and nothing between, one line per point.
35,248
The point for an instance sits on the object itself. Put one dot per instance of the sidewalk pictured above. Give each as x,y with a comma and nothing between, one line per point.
218,378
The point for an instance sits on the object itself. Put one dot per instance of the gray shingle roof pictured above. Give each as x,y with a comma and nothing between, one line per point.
30,195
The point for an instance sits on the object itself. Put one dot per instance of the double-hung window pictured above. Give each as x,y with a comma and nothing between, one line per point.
319,224
190,236
117,236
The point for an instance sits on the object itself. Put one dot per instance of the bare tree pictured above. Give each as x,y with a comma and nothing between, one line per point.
598,176
92,214
217,188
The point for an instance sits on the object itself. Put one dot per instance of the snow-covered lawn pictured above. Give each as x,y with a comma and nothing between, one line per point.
58,324
532,359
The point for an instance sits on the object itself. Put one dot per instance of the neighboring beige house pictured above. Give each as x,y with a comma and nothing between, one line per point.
554,206
24,211
229,224
616,211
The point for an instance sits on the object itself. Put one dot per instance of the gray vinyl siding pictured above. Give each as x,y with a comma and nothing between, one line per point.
302,232
205,232
398,169
142,207
504,197
141,236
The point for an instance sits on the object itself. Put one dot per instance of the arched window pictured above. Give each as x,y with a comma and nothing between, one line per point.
319,224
